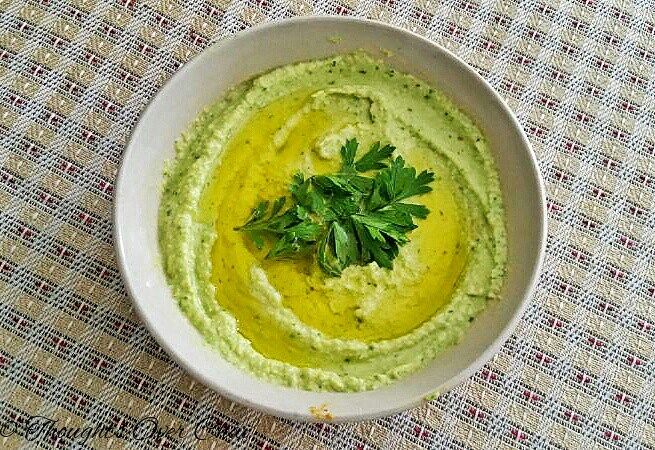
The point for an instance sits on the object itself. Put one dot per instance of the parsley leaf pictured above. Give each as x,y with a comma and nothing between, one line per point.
373,159
346,218
348,152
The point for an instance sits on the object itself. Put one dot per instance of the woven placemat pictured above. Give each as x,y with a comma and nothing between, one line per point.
577,373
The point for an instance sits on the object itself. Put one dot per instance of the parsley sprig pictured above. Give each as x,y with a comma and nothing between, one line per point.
346,217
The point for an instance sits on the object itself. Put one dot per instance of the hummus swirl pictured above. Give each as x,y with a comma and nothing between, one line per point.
285,320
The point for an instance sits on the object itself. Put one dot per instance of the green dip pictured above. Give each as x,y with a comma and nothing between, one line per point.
287,321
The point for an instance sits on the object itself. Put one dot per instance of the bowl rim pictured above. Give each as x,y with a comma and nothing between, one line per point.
480,361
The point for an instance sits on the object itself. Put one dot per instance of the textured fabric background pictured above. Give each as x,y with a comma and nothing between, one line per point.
578,372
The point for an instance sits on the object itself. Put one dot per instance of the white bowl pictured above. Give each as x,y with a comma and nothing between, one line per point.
225,64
